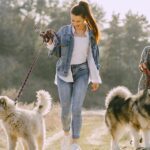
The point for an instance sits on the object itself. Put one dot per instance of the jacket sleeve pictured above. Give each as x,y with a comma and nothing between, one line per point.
93,69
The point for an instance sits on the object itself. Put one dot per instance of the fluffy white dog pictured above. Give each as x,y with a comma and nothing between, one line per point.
26,124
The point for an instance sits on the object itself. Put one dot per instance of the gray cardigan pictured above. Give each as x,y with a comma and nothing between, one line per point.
144,59
144,54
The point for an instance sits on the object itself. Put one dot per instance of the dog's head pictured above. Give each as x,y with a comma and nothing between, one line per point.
6,105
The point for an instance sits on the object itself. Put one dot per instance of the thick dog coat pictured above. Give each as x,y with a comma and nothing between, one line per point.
126,110
26,124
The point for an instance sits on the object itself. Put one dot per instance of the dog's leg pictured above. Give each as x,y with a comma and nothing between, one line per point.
40,141
25,145
146,138
136,137
12,142
115,138
114,145
31,142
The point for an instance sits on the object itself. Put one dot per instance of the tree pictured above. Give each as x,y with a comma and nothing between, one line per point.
135,38
122,49
113,66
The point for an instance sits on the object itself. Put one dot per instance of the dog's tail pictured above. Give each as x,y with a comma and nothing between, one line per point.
44,102
117,92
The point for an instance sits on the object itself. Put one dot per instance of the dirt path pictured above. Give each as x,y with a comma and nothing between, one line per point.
96,138
93,139
54,138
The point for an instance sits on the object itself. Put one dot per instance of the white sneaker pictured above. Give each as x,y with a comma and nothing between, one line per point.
75,147
65,143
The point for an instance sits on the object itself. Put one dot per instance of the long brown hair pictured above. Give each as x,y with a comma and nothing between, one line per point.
82,9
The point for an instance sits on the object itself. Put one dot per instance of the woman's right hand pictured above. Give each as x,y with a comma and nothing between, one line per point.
142,66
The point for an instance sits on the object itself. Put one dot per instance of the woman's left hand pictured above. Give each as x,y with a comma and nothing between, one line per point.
95,86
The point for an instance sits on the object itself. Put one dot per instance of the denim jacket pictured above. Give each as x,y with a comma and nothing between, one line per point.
63,48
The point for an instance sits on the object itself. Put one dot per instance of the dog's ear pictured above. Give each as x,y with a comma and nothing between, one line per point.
3,103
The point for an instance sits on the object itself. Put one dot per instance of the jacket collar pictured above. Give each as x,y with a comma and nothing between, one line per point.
69,31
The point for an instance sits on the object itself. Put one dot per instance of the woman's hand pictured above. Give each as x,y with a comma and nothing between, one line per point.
95,86
142,67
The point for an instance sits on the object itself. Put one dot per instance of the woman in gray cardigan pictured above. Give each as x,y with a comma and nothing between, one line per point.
76,45
144,67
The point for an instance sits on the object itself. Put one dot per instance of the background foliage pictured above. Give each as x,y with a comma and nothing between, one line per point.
120,48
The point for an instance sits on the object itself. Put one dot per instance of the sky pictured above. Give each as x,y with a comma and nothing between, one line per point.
123,6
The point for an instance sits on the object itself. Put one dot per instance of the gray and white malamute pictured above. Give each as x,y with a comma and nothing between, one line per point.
123,109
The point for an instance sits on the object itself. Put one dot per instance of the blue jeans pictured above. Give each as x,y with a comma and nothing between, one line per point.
72,96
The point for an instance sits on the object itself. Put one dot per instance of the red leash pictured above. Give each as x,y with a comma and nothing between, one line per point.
27,76
47,35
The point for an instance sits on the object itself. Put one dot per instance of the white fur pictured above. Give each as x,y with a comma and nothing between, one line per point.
27,124
136,121
44,100
120,91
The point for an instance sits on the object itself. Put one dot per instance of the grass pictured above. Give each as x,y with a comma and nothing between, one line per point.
94,135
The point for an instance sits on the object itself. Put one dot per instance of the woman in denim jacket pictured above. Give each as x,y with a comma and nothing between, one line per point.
78,64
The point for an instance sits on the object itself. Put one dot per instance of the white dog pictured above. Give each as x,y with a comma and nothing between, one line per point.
27,124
